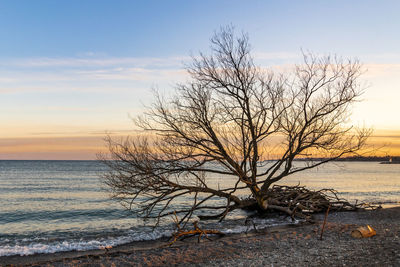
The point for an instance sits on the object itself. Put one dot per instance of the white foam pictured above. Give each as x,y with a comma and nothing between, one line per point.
258,224
41,247
132,235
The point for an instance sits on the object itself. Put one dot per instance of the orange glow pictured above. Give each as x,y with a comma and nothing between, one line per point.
48,148
382,143
385,142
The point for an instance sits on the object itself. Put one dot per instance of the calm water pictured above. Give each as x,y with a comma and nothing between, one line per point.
49,206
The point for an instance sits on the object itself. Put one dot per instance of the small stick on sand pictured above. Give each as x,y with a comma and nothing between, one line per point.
323,225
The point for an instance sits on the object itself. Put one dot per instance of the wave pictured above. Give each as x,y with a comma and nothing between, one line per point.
64,215
36,245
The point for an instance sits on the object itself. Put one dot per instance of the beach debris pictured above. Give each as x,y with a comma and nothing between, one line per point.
249,220
182,233
298,201
105,247
363,231
323,225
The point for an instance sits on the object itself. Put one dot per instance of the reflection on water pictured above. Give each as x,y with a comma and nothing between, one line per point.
48,206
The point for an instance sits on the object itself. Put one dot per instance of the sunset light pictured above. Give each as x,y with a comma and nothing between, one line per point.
199,133
66,71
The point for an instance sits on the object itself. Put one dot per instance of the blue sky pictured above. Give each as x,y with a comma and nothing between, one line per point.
160,28
76,69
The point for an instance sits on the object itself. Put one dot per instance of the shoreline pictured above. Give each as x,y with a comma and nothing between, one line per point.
233,249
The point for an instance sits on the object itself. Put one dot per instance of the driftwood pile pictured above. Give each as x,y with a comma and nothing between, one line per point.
312,201
299,201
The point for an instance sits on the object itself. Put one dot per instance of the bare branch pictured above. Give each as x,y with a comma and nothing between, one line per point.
225,121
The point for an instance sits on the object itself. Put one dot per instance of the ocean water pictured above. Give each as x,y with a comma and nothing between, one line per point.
50,206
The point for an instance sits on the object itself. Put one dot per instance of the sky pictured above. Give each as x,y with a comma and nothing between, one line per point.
73,71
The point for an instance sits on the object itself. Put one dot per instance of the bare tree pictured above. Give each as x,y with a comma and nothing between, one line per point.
241,123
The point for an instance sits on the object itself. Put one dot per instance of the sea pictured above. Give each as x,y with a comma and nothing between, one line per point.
51,206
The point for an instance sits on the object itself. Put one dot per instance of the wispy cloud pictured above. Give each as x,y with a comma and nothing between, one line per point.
382,70
276,55
49,74
381,57
90,59
43,74
84,133
135,74
95,62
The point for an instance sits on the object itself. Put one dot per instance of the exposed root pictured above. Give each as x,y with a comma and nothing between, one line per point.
298,201
294,201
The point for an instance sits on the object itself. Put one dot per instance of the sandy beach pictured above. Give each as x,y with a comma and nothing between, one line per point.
297,245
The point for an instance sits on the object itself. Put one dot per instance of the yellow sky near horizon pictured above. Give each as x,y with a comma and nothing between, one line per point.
60,123
86,147
70,72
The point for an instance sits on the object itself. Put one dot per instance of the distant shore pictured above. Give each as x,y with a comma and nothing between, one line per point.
290,245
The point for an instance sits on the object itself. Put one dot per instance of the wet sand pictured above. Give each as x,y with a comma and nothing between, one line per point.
297,245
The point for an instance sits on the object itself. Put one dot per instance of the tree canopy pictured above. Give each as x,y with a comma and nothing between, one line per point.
236,120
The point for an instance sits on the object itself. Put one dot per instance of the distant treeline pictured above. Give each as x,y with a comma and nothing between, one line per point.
360,158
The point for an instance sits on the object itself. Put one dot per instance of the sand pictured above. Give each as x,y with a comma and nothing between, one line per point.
276,246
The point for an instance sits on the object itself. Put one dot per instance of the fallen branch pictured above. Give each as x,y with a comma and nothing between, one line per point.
182,233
